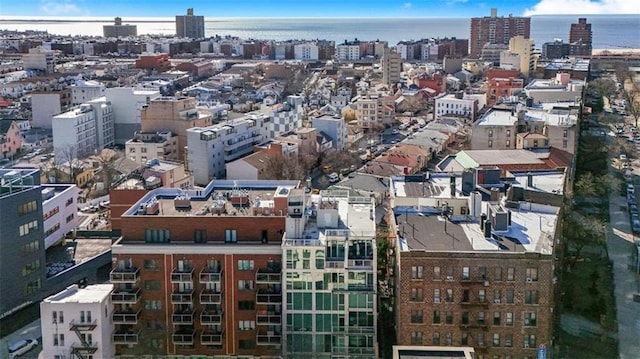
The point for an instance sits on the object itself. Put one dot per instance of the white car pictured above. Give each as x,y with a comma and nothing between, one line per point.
21,346
333,177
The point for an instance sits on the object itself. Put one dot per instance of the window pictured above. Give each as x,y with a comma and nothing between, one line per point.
508,340
564,133
448,317
436,295
416,315
497,296
32,287
510,296
157,235
244,284
436,317
480,339
416,272
490,144
230,236
449,297
496,318
508,133
246,305
530,297
464,339
490,133
496,340
151,264
530,319
436,338
448,339
416,338
61,317
30,268
508,319
508,144
26,228
152,285
246,325
529,340
482,295
465,318
465,273
511,274
482,271
416,295
245,264
480,318
532,274
465,296
436,273
55,340
497,275
27,208
200,236
154,305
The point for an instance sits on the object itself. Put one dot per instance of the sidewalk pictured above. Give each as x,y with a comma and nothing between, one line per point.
626,280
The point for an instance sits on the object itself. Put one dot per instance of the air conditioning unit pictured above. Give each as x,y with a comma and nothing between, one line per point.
526,345
449,277
529,280
497,301
486,283
436,300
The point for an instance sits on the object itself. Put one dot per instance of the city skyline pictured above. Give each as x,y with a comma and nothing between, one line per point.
332,8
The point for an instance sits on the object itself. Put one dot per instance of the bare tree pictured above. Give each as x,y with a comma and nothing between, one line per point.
632,96
106,161
280,168
607,88
66,155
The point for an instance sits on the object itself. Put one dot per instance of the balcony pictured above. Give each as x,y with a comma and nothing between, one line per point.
178,297
183,317
126,317
183,337
126,296
268,318
268,337
209,337
182,275
122,337
360,263
208,275
344,287
83,326
210,296
83,348
124,275
268,296
211,317
268,277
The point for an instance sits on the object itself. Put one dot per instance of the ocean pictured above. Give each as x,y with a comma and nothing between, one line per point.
609,31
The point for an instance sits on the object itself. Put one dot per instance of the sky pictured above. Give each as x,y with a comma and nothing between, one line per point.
313,8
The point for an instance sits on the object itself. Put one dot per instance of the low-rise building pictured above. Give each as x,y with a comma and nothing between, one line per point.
145,146
84,91
457,105
561,88
335,127
59,209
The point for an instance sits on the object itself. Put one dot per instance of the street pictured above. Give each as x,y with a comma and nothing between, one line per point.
29,331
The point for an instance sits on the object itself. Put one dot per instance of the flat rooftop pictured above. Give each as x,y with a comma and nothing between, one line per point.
497,118
432,352
91,294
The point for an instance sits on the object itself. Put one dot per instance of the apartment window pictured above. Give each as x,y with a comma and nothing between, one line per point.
564,133
490,144
436,273
449,296
246,325
416,295
497,296
200,236
61,317
480,318
482,295
508,144
246,305
245,264
157,235
436,317
26,228
27,208
151,264
482,272
416,272
480,339
416,315
465,273
490,133
530,297
510,296
230,236
530,319
143,150
416,338
244,284
508,319
508,133
497,274
30,268
132,150
69,218
508,340
154,305
511,272
465,318
496,340
496,318
448,339
436,295
448,317
436,339
532,274
529,340
464,338
152,284
565,143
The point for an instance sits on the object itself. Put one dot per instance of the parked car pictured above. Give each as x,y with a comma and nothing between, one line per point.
333,178
21,347
635,225
631,189
633,208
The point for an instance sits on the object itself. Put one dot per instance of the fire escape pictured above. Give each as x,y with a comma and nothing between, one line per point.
86,347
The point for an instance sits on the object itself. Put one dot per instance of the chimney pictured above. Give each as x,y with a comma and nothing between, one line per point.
452,185
529,179
487,229
495,194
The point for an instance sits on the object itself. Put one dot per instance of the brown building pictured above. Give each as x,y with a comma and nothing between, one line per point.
197,69
499,87
581,32
496,30
156,62
471,271
175,114
199,273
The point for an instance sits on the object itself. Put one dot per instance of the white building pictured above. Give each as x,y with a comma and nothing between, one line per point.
145,146
74,133
334,127
83,91
510,60
560,89
76,323
329,268
39,59
44,106
305,52
348,52
103,114
126,103
450,105
59,209
209,148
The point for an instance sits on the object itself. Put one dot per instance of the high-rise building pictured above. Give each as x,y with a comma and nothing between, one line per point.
391,67
329,276
581,32
76,323
190,25
197,272
524,48
119,30
496,30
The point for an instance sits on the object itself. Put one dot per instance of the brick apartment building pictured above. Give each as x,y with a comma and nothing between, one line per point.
198,272
496,30
472,269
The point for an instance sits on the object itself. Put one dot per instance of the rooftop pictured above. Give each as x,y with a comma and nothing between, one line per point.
496,117
91,294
